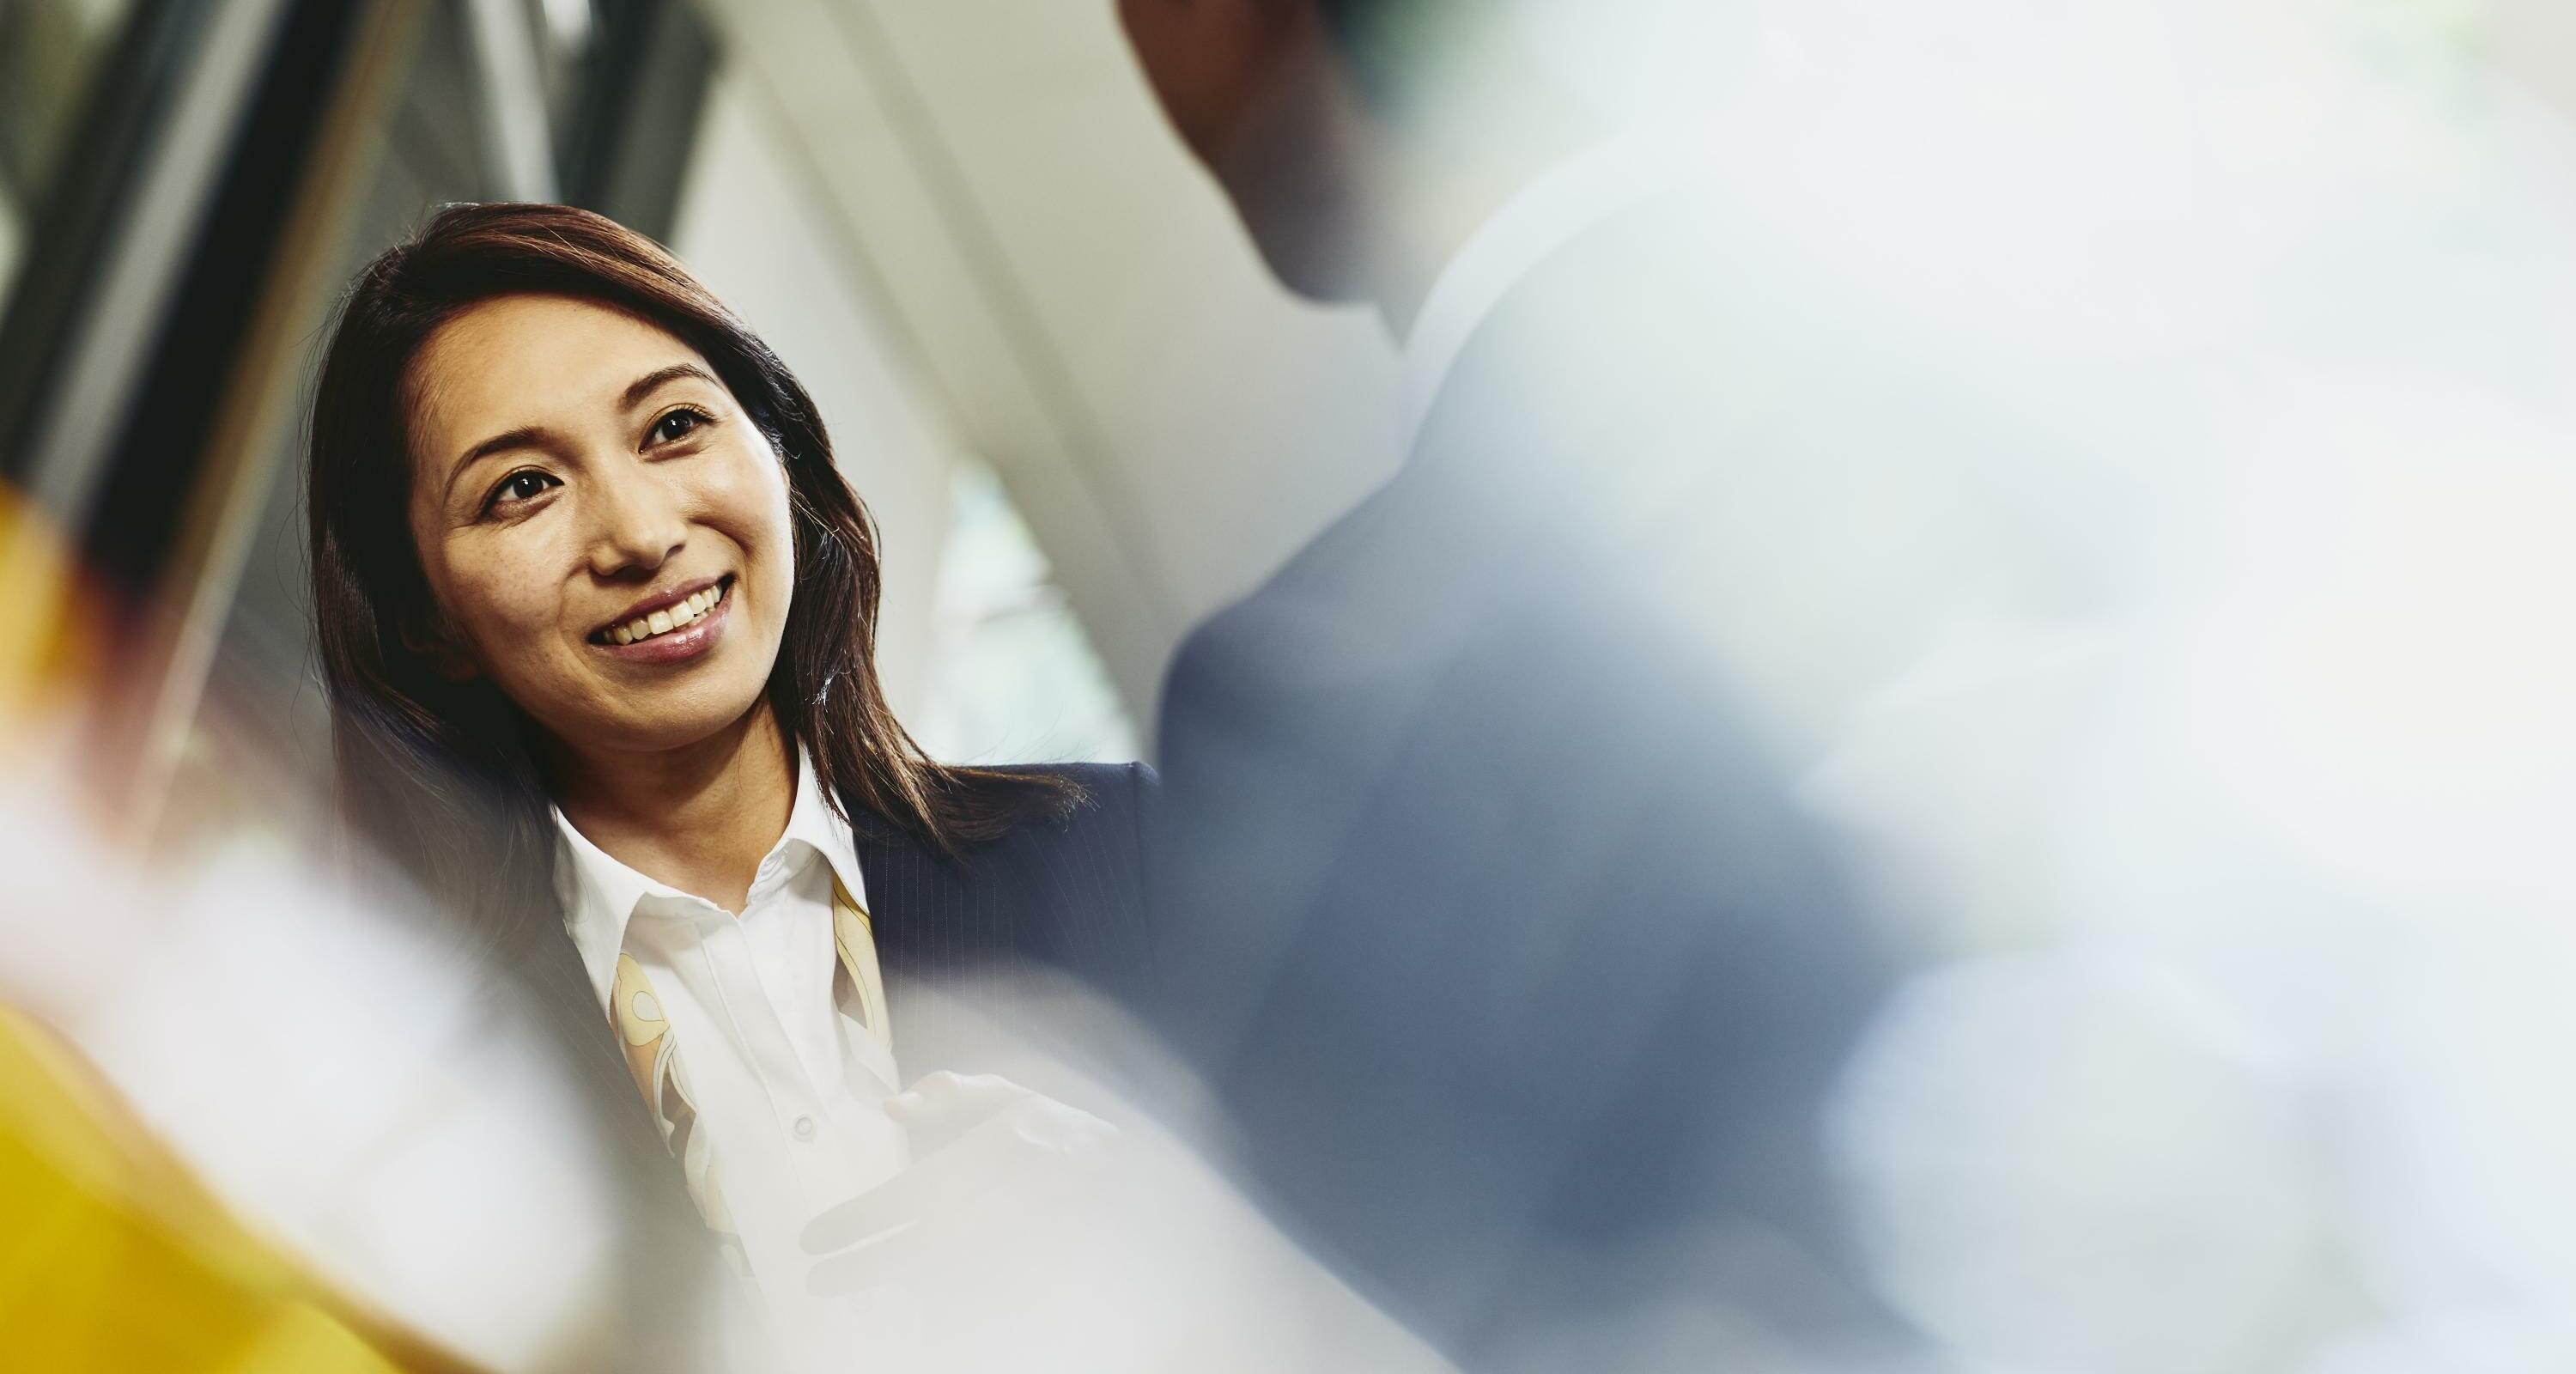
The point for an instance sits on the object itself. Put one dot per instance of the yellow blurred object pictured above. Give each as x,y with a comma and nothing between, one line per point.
41,652
112,1258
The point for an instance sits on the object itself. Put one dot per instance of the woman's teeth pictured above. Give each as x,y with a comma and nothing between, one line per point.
679,617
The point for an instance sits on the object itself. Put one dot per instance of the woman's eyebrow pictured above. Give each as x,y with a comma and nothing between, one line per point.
525,436
645,385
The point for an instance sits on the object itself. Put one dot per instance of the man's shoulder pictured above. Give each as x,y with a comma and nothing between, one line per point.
1459,569
1646,298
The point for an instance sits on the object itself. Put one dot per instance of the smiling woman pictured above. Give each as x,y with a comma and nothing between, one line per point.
596,612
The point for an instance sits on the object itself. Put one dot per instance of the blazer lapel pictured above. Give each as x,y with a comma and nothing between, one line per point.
896,871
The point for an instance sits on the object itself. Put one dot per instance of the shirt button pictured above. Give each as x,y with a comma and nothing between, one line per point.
804,1128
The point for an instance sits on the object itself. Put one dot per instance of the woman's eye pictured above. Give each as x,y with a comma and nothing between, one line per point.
519,486
679,424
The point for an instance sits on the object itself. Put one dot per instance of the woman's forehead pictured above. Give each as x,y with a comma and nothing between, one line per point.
524,360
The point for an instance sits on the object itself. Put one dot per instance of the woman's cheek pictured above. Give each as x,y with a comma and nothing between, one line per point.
779,543
747,500
748,493
507,607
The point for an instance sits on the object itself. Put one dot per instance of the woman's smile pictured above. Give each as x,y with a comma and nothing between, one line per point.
672,627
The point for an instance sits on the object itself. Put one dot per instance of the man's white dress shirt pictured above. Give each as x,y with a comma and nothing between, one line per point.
790,1093
1549,212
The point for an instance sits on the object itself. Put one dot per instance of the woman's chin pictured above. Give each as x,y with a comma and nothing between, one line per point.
666,721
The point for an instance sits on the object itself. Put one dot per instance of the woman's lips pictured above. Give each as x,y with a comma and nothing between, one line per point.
675,646
661,614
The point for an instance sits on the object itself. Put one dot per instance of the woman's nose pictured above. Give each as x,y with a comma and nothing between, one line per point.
636,526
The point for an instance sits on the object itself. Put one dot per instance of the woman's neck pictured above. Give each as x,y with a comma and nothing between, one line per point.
699,818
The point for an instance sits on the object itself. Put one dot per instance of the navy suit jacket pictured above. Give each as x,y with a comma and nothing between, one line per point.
1483,911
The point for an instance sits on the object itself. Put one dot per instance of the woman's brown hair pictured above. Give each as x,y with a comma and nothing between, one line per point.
436,773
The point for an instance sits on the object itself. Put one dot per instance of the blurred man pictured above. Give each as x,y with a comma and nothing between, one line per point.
1492,924
2096,477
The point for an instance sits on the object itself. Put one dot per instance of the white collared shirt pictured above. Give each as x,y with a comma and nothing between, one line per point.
789,1092
1543,216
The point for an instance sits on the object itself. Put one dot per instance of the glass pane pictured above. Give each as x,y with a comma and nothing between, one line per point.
1015,679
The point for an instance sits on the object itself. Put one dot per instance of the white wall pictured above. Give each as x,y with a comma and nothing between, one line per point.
2536,41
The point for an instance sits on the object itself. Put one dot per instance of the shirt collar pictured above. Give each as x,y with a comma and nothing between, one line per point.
1537,220
600,895
814,824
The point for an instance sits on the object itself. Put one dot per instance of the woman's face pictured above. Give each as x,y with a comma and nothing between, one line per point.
606,533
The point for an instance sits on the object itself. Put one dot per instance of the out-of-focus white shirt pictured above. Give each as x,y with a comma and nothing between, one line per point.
1544,215
790,1092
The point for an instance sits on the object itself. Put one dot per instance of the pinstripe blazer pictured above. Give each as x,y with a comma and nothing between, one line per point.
1058,897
